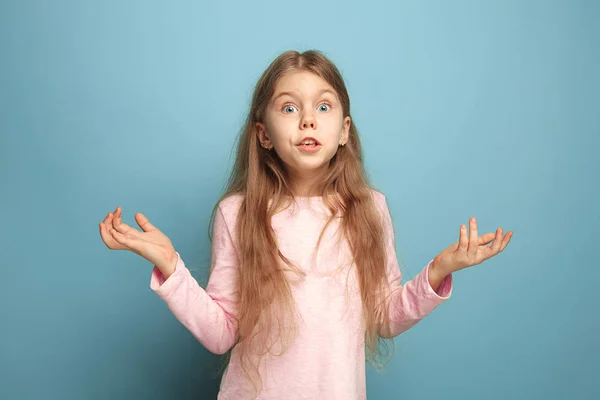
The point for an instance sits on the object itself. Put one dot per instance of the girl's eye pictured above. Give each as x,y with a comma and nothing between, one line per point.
324,107
289,109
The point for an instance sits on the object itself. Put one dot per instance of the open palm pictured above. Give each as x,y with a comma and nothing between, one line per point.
149,243
471,249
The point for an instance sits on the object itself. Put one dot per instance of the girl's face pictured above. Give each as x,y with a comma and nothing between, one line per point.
304,124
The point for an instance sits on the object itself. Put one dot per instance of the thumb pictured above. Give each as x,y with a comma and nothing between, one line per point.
143,222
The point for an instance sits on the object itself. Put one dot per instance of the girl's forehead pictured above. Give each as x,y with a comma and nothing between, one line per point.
302,82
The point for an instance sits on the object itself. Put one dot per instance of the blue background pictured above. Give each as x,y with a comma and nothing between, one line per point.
465,108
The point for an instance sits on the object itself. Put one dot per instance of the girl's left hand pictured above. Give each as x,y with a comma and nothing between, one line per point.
471,249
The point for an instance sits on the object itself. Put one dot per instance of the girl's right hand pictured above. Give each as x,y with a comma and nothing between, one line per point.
150,243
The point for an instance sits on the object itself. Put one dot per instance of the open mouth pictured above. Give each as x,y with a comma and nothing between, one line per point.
309,145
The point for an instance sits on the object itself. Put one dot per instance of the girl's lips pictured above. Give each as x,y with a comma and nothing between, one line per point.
308,138
309,148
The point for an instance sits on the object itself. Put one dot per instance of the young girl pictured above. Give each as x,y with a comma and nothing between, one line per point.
304,278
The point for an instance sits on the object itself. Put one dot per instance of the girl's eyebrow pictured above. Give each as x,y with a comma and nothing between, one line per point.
293,94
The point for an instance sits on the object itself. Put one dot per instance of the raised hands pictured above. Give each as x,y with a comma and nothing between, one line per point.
471,249
149,243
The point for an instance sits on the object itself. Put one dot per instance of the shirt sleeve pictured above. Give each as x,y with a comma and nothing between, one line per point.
210,315
411,302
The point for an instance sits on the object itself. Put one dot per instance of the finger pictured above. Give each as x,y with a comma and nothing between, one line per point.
495,247
486,238
143,222
463,240
108,218
107,238
128,242
473,238
112,215
124,228
506,240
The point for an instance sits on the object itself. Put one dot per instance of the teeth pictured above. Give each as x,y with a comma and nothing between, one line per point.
309,142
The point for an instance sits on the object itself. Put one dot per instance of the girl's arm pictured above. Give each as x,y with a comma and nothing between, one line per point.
411,302
210,315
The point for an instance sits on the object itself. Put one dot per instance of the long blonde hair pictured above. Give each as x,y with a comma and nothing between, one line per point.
260,177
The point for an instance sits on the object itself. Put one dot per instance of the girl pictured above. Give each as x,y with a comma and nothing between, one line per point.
304,277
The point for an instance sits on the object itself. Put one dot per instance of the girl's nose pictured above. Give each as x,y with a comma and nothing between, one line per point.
308,122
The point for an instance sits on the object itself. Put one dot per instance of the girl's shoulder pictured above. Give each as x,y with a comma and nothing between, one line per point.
230,207
231,202
378,198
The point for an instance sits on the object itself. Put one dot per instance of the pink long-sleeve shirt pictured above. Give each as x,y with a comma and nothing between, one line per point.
327,358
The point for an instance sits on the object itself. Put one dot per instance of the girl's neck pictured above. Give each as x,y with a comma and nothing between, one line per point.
305,185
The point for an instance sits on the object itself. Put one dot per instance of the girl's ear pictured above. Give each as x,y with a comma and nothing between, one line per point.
345,131
263,136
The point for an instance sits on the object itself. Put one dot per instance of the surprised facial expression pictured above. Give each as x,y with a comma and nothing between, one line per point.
304,123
